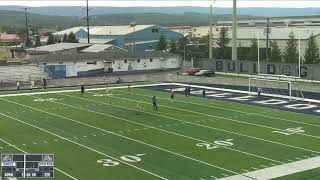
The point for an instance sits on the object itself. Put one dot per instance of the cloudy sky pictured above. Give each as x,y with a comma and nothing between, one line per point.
159,3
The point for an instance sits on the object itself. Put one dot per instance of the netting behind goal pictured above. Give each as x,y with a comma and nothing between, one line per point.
275,88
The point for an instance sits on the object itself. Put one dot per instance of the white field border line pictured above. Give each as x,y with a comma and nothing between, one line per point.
88,125
159,129
229,119
66,174
83,146
77,90
247,92
231,132
217,107
281,170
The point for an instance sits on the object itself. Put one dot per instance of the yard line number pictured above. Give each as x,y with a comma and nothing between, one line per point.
216,144
290,131
127,158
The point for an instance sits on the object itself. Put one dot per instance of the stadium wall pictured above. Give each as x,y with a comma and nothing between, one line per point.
97,67
308,71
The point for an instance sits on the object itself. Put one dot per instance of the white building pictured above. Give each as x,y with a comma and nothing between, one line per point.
61,65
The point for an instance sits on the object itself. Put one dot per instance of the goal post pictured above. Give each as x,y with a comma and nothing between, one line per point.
279,87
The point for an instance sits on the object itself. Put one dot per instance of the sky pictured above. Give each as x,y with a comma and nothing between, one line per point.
165,3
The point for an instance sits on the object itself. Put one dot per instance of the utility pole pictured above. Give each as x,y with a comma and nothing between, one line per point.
210,34
88,28
267,42
27,29
234,31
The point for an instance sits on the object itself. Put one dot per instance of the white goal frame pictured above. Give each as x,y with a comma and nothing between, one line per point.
278,79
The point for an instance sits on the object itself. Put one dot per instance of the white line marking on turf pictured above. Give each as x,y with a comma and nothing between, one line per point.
76,90
257,156
232,110
210,127
81,145
220,117
218,167
68,175
281,170
97,128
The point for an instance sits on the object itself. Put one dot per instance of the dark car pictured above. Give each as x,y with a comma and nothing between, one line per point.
206,73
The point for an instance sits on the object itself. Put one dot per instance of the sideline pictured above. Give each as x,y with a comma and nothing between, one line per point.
281,170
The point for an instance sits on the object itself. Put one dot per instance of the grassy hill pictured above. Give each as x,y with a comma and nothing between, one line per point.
17,19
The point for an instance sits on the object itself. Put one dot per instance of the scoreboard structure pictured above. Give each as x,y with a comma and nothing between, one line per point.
27,165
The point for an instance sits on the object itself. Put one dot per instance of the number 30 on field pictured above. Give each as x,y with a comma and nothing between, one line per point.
216,144
126,158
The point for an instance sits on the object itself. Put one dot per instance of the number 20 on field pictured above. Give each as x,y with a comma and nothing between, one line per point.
216,144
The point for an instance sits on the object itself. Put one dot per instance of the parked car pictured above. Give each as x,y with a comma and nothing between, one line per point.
193,71
206,73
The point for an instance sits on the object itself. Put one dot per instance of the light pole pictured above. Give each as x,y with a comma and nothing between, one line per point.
133,25
210,34
234,31
88,25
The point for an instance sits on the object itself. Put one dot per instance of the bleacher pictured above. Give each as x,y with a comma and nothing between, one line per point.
23,73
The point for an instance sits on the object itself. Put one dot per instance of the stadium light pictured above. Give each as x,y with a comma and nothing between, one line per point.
234,31
210,34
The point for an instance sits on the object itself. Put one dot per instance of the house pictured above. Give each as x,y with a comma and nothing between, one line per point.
135,38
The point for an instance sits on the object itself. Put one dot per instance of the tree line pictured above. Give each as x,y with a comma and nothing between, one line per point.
200,49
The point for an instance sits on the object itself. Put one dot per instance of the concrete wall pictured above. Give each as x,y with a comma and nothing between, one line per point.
310,72
73,69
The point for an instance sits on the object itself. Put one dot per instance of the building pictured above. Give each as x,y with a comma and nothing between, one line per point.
71,48
13,38
274,22
201,31
73,64
132,38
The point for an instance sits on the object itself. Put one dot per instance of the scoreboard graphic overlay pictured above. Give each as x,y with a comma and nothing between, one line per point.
27,165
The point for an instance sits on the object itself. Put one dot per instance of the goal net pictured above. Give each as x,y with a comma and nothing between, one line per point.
275,87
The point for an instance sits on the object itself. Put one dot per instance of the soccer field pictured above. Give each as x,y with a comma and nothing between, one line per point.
115,134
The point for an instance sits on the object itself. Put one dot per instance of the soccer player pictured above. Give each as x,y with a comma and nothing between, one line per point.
82,88
172,95
44,81
18,85
129,87
203,93
189,91
259,91
186,91
154,103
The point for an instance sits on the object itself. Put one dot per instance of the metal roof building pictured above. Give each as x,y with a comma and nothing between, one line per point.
132,38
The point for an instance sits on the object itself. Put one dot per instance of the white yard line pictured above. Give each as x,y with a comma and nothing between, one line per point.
113,133
170,132
66,174
77,90
84,146
231,110
221,117
281,170
231,132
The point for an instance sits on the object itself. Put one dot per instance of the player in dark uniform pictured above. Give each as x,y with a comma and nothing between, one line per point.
82,88
186,91
44,81
172,95
154,103
203,93
189,91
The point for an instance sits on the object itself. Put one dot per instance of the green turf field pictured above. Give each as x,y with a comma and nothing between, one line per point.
117,135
